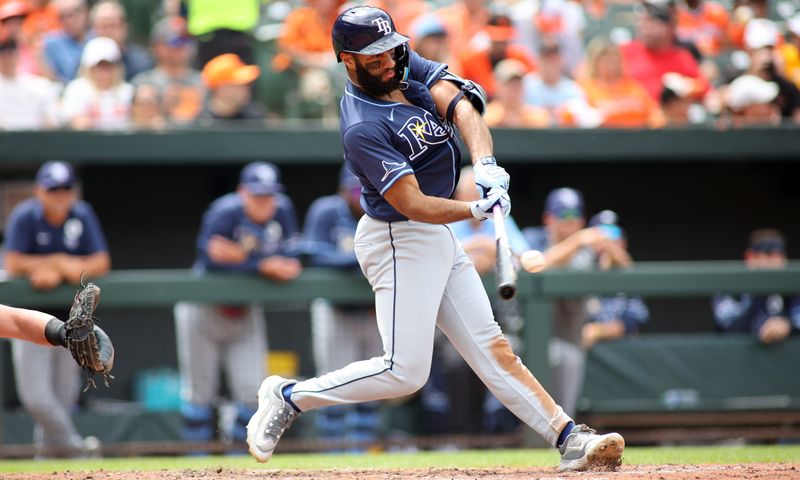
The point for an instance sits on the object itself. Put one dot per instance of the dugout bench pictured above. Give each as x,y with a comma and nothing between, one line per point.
651,388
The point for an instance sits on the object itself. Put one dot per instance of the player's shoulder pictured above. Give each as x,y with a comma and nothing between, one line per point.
82,208
228,204
24,213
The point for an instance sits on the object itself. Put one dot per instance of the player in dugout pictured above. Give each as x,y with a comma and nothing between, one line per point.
398,120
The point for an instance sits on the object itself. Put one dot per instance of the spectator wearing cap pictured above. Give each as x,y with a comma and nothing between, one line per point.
429,38
342,333
27,102
62,48
790,51
12,18
42,18
178,85
479,59
761,38
655,52
508,109
621,101
250,231
770,318
99,99
611,317
565,243
228,81
108,19
742,12
561,96
676,102
50,239
751,101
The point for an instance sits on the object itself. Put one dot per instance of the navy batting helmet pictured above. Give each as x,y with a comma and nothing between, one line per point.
368,31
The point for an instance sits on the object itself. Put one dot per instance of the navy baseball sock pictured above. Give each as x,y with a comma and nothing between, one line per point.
565,433
287,395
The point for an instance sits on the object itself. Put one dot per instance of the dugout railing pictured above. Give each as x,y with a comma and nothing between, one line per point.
653,387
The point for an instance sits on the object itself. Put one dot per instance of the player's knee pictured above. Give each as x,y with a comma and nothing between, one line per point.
412,379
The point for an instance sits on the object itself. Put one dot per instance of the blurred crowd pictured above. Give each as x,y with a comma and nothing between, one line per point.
84,65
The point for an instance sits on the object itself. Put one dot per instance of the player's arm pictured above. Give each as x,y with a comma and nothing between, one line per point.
18,263
473,129
462,102
407,198
732,315
28,325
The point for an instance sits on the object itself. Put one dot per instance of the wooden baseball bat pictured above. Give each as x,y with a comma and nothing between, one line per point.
504,265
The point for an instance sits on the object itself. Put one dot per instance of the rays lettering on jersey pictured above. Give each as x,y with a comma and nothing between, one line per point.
421,132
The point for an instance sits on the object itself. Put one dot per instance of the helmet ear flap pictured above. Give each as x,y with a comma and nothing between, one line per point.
401,61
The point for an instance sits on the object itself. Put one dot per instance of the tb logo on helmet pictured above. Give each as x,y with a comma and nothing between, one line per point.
383,25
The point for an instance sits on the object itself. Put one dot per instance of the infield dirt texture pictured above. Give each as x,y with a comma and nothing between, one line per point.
654,472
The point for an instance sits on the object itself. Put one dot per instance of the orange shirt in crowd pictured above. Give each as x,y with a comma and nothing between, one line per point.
304,31
624,103
706,27
477,66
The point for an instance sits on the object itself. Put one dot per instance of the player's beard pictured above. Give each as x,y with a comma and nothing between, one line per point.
374,85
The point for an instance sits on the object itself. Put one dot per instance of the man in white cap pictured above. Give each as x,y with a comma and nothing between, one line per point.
761,36
751,102
98,98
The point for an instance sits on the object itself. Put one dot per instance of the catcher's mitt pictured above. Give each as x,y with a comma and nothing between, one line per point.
88,344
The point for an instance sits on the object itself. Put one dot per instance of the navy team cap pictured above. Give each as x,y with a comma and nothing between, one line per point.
55,174
261,178
564,203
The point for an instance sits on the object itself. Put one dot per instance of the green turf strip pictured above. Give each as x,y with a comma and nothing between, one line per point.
464,459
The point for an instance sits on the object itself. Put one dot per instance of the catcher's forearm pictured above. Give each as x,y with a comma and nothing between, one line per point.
28,325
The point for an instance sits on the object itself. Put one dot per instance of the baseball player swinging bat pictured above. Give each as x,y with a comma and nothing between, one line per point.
506,274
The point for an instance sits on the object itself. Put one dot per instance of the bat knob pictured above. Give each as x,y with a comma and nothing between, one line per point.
507,292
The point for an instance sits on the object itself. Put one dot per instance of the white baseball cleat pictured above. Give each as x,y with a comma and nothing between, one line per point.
273,417
584,449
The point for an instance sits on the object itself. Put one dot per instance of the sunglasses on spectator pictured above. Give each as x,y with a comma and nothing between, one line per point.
768,247
61,188
179,41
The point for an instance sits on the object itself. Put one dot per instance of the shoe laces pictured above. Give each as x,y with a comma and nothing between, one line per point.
282,420
583,428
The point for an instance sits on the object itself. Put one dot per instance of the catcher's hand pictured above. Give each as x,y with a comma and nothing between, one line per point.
88,344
